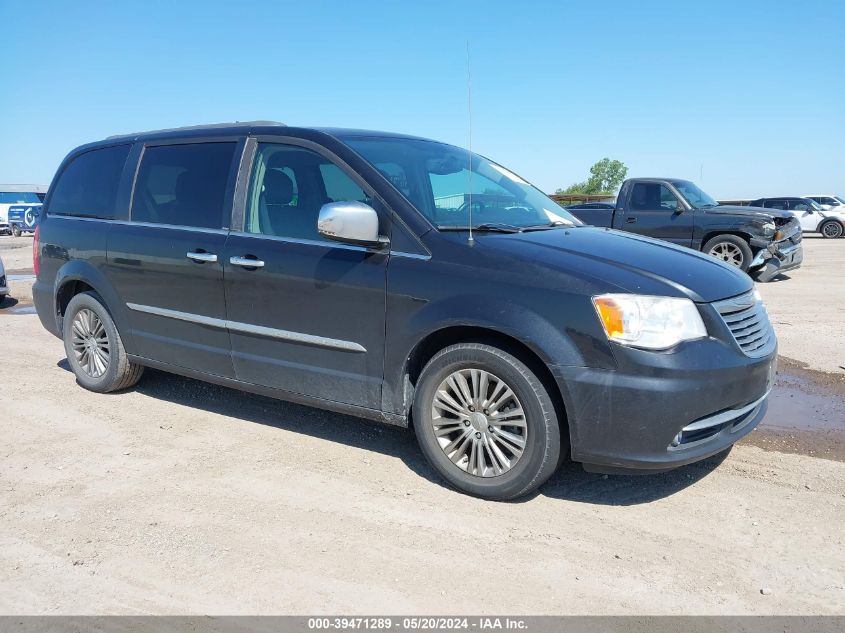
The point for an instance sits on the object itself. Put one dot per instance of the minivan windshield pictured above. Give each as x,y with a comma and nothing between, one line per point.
455,189
696,198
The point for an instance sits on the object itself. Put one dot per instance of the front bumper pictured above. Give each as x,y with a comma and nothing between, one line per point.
661,410
787,254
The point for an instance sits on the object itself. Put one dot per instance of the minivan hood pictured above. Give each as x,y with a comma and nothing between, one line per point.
611,261
729,209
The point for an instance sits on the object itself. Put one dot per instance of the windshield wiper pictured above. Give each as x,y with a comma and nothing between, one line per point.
545,227
498,227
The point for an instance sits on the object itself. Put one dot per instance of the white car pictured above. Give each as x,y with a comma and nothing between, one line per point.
11,195
829,202
813,219
4,286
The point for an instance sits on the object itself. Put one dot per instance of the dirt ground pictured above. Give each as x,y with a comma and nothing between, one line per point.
179,497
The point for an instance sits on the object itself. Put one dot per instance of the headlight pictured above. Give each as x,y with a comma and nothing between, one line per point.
768,228
649,322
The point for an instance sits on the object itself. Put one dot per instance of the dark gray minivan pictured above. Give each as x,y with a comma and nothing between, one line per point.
402,280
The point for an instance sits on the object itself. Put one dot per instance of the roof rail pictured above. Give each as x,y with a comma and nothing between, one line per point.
209,126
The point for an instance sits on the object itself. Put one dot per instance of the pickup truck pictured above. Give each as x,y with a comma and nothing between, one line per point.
762,242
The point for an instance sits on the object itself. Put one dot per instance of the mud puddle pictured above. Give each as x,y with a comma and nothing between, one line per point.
806,414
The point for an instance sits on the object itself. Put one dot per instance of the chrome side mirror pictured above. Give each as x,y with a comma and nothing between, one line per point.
351,222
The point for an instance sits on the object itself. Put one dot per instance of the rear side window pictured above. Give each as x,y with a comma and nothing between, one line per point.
87,187
184,185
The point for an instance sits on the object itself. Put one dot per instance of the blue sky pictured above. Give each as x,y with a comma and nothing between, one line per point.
745,98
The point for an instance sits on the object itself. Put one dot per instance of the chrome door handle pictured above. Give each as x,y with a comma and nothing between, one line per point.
246,262
202,257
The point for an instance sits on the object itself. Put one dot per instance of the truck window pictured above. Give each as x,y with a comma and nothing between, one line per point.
183,185
652,196
87,186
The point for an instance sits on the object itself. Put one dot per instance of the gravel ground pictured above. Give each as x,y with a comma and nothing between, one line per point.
807,307
182,497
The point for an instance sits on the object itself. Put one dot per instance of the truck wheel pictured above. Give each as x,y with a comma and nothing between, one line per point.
731,249
831,229
16,231
94,348
485,422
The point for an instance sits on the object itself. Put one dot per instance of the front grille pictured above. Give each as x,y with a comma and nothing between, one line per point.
748,321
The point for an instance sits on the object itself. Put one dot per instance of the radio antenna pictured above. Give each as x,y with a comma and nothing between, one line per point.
469,149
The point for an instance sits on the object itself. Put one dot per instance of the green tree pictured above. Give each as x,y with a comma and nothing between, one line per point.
605,178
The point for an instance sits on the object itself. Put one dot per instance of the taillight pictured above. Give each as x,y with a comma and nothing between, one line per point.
36,259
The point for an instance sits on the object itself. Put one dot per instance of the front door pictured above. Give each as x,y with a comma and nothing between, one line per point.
166,262
806,214
305,314
654,210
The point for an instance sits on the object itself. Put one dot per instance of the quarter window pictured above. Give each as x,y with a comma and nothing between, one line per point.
288,187
87,187
184,185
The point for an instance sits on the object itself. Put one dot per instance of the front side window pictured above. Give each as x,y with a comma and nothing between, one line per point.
455,189
184,185
87,186
775,204
652,196
289,185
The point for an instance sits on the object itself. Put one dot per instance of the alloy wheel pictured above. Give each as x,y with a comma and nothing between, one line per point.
727,252
832,229
479,422
90,343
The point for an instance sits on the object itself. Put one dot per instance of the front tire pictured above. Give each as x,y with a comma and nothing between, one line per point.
94,348
831,229
730,249
485,422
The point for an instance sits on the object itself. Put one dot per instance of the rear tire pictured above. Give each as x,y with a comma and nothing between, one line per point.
831,229
730,249
16,232
493,431
94,348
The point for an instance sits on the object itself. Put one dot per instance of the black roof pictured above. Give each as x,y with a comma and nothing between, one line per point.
241,128
252,127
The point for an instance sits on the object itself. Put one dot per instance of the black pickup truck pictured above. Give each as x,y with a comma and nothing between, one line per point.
763,242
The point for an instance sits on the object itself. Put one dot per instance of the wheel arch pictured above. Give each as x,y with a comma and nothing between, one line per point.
736,233
448,335
829,219
79,276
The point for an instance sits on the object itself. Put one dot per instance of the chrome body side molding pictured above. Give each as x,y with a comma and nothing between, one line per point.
248,328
